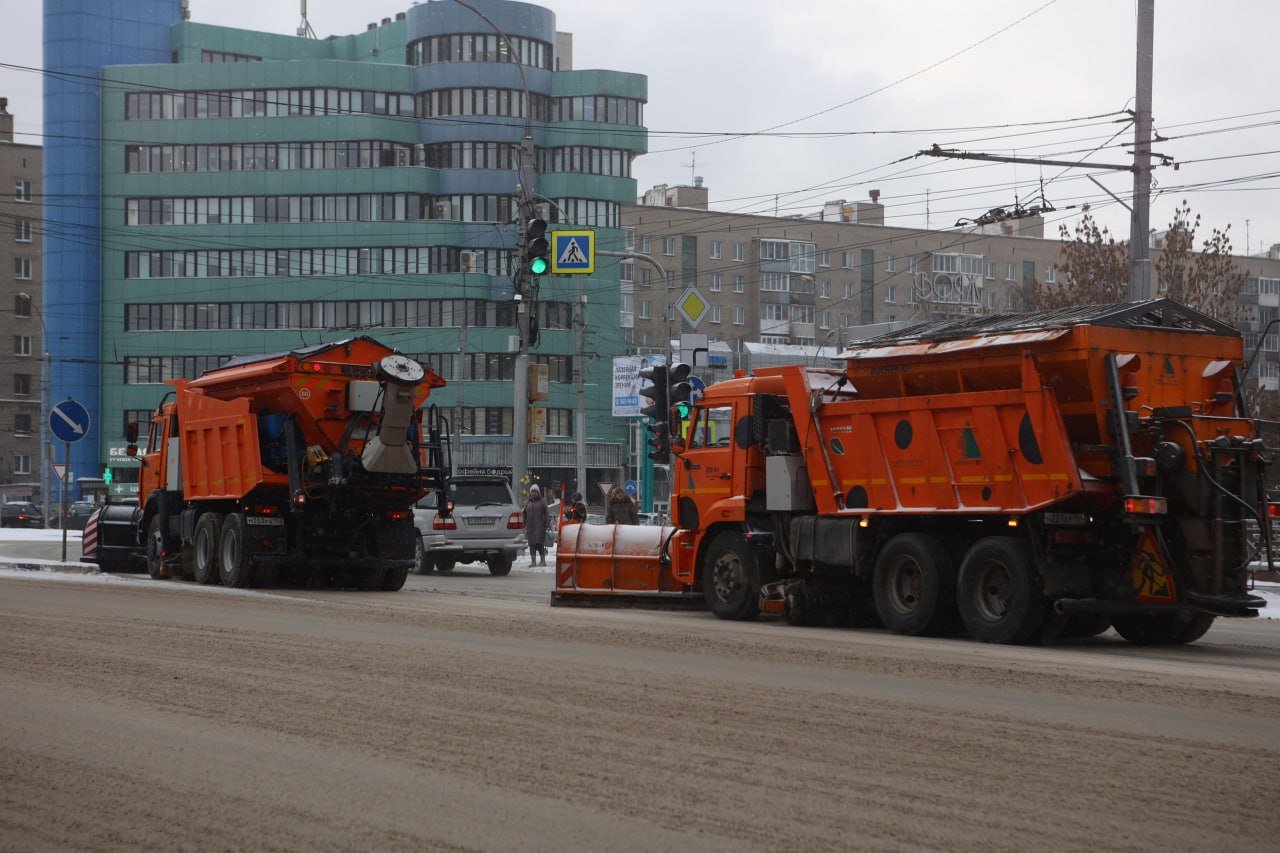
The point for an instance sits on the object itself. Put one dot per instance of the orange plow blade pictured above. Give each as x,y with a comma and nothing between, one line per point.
613,564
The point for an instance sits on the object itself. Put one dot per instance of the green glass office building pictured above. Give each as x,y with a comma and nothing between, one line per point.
260,192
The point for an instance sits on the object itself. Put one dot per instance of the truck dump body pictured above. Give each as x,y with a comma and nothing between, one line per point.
1021,475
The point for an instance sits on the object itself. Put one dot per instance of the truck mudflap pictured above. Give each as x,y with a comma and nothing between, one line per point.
618,565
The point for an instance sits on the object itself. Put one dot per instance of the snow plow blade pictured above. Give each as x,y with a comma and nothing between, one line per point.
618,565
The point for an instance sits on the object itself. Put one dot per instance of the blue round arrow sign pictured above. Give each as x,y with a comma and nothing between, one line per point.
69,421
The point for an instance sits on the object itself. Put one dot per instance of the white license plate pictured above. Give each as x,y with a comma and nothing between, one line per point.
1066,518
482,521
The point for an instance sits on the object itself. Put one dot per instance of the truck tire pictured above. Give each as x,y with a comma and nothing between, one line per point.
394,579
373,579
421,562
730,577
444,566
1161,629
205,547
914,586
501,564
1000,594
234,567
155,549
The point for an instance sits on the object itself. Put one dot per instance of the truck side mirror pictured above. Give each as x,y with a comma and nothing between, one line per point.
131,432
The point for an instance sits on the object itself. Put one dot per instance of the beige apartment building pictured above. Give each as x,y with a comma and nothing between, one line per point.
21,342
819,281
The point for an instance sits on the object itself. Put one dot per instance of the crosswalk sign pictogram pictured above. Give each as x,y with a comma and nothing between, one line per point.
573,252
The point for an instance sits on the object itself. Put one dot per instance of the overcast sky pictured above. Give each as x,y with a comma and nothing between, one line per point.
851,67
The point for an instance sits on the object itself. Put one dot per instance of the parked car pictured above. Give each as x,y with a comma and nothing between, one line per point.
21,514
429,539
78,513
485,526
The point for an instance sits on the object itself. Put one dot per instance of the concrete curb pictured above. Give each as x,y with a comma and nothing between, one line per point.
49,566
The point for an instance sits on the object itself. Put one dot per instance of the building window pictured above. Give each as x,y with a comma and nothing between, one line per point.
890,292
802,313
824,289
22,191
739,284
715,250
646,244
846,260
22,230
21,425
890,263
22,384
22,305
717,282
824,319
22,463
1051,275
646,276
22,269
739,252
991,272
846,321
776,282
715,314
1008,272
739,316
848,290
824,258
646,309
669,246
22,345
991,301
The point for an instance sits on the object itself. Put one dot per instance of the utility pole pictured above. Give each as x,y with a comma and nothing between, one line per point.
580,377
1140,220
526,303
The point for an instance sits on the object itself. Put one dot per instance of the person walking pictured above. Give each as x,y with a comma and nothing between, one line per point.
577,508
535,525
621,510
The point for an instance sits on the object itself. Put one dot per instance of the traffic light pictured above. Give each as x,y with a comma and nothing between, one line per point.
658,412
537,248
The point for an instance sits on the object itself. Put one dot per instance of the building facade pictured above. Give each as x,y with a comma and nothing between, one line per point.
259,192
22,375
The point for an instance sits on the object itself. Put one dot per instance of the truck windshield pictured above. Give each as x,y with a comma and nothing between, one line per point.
474,494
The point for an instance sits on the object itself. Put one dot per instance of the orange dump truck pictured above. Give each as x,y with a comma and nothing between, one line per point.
1015,477
297,467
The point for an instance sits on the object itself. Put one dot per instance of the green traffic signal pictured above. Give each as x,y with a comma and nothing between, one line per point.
538,266
683,410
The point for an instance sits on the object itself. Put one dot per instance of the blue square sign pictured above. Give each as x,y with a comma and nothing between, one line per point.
573,252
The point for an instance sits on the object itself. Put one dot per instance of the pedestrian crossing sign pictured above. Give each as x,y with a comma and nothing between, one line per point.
573,252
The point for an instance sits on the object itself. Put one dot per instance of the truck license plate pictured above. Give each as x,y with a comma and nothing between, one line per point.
1066,518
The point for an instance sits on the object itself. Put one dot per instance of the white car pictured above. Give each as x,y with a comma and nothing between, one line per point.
485,525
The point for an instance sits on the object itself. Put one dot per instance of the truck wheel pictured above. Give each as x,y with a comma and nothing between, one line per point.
999,593
1086,625
373,579
1161,629
395,578
155,549
730,577
444,566
421,563
501,564
205,546
914,586
233,556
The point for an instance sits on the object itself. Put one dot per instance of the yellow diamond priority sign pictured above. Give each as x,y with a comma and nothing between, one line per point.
692,306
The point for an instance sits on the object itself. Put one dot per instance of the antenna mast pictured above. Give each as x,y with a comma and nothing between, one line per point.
304,28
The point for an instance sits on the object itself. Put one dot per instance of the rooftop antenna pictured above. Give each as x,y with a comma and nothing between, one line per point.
304,28
693,167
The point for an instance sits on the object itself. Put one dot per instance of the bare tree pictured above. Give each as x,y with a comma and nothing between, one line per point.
1207,280
1095,268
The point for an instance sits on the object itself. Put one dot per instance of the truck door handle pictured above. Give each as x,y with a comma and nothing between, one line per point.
689,464
726,476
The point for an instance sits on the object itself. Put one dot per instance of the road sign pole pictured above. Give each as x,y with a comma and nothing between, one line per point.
66,461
